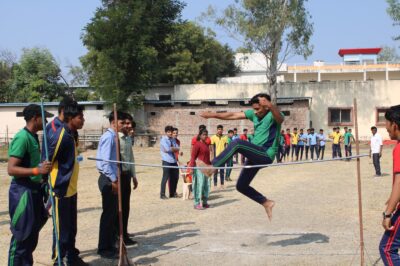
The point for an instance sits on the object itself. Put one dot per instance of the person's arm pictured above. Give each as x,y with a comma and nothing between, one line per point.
392,202
274,110
380,147
193,156
105,147
14,168
133,170
224,116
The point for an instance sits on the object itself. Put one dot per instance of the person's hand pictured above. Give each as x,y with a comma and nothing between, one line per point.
206,115
380,155
387,224
45,168
114,187
135,183
264,102
181,154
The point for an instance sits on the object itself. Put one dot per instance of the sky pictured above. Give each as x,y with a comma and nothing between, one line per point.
58,26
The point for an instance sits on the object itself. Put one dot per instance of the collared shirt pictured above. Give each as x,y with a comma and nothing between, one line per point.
126,151
336,137
25,146
322,139
301,139
305,139
376,143
312,139
220,142
295,138
107,151
347,138
167,155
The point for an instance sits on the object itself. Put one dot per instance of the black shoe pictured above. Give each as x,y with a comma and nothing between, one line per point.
77,262
108,254
163,197
130,242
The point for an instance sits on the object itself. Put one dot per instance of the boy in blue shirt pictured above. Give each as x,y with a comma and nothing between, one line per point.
312,141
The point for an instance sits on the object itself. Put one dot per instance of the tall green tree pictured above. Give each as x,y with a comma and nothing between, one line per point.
388,54
126,43
7,62
394,12
275,28
36,77
195,56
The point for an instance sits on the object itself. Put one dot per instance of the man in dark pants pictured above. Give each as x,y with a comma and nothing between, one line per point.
168,148
27,212
108,185
128,173
376,150
267,120
63,152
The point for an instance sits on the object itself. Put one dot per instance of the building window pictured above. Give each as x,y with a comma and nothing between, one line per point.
192,113
340,116
99,107
380,116
152,113
164,97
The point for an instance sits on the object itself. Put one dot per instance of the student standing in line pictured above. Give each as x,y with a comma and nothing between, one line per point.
280,155
376,150
243,137
312,140
229,163
307,143
300,145
322,142
390,243
26,209
236,136
219,142
295,140
287,143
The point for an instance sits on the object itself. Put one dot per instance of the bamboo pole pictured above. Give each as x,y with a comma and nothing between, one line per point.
358,165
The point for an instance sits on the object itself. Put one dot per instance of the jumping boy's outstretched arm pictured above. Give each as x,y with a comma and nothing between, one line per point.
224,116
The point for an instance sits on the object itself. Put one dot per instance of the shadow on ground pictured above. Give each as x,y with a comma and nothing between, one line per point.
301,239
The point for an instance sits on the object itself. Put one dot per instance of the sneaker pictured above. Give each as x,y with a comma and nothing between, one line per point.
108,254
198,207
206,206
77,262
129,242
163,197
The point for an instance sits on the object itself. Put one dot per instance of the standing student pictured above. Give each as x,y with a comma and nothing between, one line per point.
219,142
348,139
63,152
236,136
322,142
390,243
336,137
201,157
168,147
307,143
174,180
376,150
128,173
287,143
194,139
295,140
26,209
300,145
108,186
229,163
267,120
281,149
312,140
243,137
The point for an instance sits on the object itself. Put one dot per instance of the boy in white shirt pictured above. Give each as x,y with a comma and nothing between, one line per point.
376,150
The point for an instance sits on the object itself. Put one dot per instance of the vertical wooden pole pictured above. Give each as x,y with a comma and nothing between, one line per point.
360,214
123,260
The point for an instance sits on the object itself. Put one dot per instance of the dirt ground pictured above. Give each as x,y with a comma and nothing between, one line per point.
315,219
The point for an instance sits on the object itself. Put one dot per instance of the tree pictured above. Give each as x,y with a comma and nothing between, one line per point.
36,77
388,54
79,76
126,43
7,62
275,28
195,56
394,12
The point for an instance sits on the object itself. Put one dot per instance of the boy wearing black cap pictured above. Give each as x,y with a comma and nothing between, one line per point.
27,212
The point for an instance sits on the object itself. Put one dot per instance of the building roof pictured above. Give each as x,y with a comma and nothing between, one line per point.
343,52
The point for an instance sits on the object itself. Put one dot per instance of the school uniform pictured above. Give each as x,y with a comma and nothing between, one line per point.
63,152
168,159
390,242
312,140
295,140
321,147
347,143
26,208
376,143
219,143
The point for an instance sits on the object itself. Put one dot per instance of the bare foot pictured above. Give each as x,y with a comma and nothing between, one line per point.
268,205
